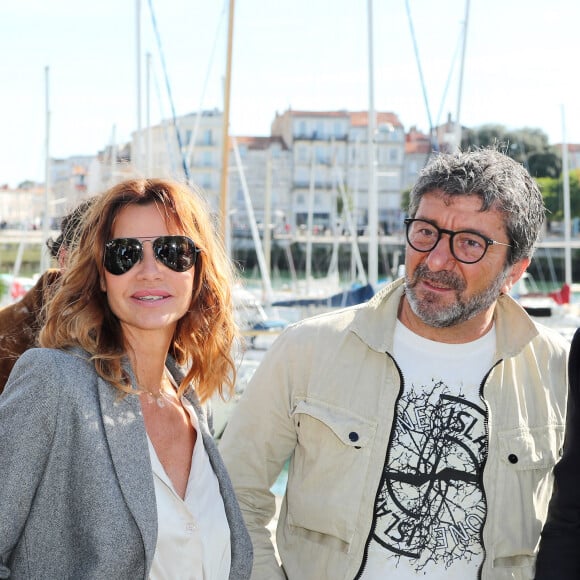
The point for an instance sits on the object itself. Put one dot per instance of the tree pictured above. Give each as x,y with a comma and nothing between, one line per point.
527,146
26,184
552,192
545,164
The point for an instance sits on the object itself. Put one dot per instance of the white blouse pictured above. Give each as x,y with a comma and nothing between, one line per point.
193,536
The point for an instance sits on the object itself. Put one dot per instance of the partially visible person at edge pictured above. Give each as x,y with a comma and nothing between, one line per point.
21,321
421,427
109,469
559,555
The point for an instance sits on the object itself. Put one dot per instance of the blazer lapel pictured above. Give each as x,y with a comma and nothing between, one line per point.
127,440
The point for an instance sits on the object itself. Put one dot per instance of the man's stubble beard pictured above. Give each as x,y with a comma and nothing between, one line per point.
432,313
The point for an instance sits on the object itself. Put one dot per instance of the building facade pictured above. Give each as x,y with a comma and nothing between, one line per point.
188,150
330,168
313,169
266,172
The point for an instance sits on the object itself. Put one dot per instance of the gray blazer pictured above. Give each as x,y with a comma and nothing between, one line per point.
77,498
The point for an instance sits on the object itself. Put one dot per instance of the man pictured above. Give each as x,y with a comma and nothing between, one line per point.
20,322
422,426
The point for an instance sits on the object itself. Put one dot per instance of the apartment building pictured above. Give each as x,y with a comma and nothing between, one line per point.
418,149
22,208
331,173
69,182
189,149
266,166
573,154
314,165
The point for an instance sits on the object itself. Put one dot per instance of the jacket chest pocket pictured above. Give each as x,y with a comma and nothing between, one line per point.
328,471
523,489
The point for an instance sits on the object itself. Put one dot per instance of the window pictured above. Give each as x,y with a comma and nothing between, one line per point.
302,176
319,133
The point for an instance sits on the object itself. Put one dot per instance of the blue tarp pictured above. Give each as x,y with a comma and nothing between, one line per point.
339,300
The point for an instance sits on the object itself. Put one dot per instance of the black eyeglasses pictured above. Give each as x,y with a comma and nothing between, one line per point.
467,247
178,253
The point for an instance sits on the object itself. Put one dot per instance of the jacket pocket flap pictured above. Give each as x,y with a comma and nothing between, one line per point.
533,448
350,428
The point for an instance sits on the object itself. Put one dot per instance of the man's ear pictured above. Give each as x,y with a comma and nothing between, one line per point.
516,272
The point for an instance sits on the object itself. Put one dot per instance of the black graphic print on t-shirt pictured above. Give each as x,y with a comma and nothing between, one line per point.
430,508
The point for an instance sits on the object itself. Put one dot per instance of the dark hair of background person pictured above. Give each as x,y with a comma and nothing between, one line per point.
69,227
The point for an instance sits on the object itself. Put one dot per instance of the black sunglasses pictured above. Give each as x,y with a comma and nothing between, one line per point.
178,253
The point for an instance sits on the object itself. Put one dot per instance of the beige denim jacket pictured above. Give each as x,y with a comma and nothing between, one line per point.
325,396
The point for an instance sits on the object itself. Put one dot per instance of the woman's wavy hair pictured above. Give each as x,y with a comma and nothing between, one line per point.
79,313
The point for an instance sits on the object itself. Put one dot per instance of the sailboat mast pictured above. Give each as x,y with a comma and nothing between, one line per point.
264,270
567,222
225,127
137,153
460,90
310,221
44,257
149,141
268,213
373,207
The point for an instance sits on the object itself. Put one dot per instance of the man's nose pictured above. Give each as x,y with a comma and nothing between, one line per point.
440,257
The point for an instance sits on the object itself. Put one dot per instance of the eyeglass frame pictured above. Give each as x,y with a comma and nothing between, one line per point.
488,241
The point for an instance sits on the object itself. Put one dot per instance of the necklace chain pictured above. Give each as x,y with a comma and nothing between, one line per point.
161,397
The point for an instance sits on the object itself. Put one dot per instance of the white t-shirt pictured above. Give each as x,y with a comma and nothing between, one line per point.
430,508
193,536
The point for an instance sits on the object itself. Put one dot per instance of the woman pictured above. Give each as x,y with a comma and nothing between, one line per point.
107,464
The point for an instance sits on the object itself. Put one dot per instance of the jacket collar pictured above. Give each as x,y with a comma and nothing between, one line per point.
375,321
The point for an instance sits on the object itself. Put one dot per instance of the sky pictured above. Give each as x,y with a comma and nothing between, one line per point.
78,60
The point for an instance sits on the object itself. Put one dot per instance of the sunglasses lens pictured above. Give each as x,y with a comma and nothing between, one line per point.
176,252
122,254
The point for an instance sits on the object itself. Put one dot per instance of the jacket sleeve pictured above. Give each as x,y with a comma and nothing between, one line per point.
559,553
28,416
256,443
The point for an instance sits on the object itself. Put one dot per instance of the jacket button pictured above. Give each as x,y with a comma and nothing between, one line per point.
353,436
513,458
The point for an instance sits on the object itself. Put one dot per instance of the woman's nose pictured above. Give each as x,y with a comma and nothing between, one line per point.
149,264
